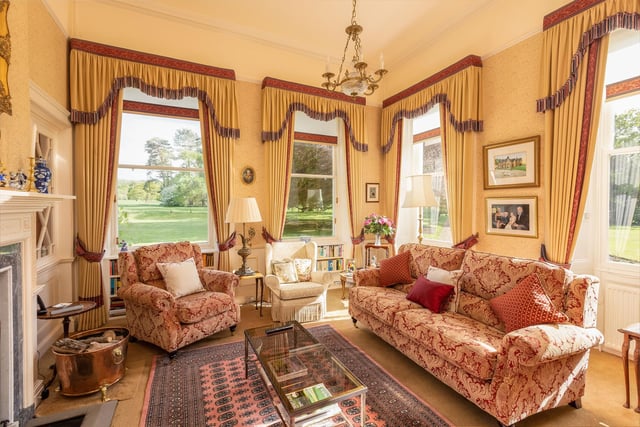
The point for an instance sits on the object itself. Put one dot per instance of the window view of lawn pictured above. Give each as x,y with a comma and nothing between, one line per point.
624,244
149,222
308,223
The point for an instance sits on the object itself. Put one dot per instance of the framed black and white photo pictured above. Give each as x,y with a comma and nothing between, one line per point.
516,216
512,164
373,192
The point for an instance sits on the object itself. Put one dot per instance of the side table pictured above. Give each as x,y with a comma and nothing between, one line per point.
345,277
370,247
86,306
631,332
259,279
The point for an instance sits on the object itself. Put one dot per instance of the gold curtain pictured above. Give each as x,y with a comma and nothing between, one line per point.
458,91
217,152
97,75
280,100
573,64
96,154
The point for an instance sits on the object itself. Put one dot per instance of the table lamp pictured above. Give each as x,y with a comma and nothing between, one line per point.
243,210
420,195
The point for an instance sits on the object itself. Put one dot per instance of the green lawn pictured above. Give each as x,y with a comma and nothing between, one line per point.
145,219
309,223
624,245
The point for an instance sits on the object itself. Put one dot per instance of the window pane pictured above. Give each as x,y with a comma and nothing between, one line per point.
314,159
436,220
310,208
162,195
624,209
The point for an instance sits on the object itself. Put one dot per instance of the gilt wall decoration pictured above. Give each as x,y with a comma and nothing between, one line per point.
5,58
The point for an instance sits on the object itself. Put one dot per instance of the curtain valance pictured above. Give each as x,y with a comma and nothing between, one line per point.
99,72
457,88
281,99
565,45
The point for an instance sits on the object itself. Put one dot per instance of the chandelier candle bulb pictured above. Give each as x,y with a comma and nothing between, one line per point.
381,61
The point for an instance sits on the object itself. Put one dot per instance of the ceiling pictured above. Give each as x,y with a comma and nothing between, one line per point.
420,37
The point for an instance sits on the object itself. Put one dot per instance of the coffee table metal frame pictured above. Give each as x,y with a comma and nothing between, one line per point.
322,367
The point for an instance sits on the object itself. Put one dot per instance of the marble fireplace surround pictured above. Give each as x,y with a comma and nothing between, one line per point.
18,282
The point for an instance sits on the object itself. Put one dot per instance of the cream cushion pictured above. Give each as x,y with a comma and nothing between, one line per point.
285,271
292,291
181,278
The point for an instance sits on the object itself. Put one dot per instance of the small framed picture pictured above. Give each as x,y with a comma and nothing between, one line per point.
512,164
248,175
373,192
512,216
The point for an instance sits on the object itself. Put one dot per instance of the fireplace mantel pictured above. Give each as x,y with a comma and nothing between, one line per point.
14,201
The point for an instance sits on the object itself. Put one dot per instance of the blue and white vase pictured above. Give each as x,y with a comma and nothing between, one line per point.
42,174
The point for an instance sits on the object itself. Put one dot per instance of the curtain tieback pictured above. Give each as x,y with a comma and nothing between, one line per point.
228,244
84,253
358,239
468,242
268,237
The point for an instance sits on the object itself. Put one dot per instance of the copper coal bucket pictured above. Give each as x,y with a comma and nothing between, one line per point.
92,370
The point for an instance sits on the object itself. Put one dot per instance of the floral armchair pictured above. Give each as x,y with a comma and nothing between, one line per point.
171,300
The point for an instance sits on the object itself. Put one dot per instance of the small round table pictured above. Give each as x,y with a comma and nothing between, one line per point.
86,306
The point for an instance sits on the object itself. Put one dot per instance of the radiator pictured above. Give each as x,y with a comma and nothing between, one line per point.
622,309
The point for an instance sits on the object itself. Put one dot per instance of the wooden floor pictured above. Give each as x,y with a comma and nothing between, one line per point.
602,403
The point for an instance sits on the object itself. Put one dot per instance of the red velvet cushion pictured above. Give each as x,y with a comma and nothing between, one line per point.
396,269
429,294
525,305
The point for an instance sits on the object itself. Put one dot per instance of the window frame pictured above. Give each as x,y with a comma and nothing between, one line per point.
157,110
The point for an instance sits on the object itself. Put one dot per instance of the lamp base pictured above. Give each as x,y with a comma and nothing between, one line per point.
244,271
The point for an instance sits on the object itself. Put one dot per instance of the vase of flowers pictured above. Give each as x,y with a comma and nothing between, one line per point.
379,225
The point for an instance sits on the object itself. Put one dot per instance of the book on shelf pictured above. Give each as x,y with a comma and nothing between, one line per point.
65,308
288,367
308,395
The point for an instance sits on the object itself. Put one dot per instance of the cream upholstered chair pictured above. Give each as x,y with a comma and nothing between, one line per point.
171,300
298,291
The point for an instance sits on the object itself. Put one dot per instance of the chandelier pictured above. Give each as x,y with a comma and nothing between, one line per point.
356,82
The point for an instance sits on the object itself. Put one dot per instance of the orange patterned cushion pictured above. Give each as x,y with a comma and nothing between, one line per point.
525,305
396,270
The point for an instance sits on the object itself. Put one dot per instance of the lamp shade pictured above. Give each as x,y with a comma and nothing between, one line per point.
243,209
420,194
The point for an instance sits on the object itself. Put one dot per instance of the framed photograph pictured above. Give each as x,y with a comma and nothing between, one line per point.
248,175
512,216
373,192
512,164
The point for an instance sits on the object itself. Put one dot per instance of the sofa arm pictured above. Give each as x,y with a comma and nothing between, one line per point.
219,281
146,295
581,300
367,277
537,344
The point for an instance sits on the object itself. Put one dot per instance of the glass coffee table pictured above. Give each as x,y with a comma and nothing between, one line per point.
305,380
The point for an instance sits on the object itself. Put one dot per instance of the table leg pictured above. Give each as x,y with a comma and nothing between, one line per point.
625,365
256,293
363,409
343,283
636,356
65,326
261,292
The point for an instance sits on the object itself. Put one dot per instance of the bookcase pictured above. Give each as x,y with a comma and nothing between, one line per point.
330,257
116,304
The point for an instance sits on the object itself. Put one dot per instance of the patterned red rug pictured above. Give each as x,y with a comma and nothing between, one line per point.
207,387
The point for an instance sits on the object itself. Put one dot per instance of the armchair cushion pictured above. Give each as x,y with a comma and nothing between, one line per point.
202,305
181,278
285,271
303,268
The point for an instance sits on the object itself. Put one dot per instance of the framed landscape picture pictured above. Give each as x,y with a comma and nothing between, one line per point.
512,164
512,216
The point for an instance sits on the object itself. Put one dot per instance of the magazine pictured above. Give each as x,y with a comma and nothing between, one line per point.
308,395
288,367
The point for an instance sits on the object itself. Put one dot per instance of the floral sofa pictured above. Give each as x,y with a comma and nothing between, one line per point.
510,374
172,318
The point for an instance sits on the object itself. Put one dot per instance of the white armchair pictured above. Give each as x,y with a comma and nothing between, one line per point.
298,291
